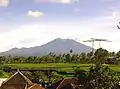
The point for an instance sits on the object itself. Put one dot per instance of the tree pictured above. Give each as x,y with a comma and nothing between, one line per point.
101,77
55,77
83,58
101,55
90,57
2,61
81,75
74,58
39,77
68,58
71,51
118,54
112,54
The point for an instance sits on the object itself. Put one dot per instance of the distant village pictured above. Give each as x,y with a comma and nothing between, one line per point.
20,81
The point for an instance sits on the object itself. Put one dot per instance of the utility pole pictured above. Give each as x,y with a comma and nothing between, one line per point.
118,26
94,40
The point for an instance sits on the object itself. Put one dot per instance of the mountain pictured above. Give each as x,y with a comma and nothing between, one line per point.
57,46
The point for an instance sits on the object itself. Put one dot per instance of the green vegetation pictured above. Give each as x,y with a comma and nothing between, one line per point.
54,67
98,77
100,55
104,56
47,66
3,74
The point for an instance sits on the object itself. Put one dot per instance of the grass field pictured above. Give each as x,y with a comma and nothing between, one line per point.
57,66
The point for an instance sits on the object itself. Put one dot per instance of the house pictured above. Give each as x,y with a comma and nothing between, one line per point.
19,81
2,80
64,84
36,86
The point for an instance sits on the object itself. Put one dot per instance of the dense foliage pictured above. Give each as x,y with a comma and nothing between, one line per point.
97,77
100,55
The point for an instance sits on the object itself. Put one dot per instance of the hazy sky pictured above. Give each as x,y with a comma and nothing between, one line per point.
28,23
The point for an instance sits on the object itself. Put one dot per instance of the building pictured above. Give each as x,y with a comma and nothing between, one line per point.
64,84
2,80
36,86
19,81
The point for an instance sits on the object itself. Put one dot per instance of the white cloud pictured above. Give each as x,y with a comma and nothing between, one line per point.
40,32
29,35
116,14
57,1
35,14
4,3
64,1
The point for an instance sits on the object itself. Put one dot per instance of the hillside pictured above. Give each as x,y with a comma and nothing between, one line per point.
56,46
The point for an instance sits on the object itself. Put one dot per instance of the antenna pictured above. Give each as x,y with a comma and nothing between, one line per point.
94,39
100,40
118,26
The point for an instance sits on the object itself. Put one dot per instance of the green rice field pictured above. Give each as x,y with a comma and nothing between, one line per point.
56,66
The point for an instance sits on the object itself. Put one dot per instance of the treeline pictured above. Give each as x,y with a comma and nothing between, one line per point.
102,54
98,77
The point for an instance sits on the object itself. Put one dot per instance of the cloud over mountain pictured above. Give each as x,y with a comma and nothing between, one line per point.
35,14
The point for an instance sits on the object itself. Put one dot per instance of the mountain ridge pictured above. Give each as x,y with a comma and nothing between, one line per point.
57,45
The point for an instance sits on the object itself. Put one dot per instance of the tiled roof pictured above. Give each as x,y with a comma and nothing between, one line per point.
19,81
16,78
65,82
36,86
2,80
